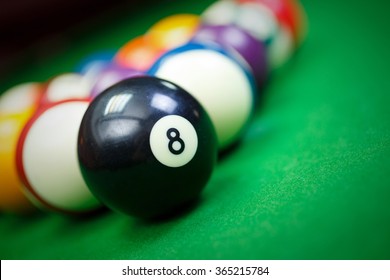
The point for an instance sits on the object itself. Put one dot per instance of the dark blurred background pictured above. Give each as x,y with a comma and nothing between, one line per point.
31,30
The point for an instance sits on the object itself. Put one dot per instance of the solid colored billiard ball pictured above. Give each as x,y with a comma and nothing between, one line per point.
146,147
173,31
218,79
46,159
111,74
17,105
233,37
138,54
67,86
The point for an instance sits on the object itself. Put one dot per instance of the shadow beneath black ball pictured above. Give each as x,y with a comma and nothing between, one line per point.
177,213
226,152
88,216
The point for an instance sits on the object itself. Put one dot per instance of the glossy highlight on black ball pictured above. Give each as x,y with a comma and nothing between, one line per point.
146,147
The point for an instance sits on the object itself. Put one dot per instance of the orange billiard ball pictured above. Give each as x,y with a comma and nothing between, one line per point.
138,54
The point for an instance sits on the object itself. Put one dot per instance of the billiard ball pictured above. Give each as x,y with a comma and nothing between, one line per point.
289,35
94,62
67,86
46,159
282,48
300,19
138,54
17,105
111,74
232,37
290,14
12,198
257,19
21,98
173,31
218,79
146,147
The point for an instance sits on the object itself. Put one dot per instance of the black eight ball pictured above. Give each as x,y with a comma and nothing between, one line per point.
146,147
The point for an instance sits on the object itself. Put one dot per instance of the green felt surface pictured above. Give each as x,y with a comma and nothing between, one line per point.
310,179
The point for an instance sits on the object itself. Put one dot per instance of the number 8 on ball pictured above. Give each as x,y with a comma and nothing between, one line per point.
173,141
146,147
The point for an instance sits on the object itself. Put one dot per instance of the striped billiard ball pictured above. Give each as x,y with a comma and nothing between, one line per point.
47,162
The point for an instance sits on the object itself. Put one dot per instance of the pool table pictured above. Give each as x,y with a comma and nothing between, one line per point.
310,178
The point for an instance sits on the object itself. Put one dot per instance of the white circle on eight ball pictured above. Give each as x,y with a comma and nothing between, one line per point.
173,141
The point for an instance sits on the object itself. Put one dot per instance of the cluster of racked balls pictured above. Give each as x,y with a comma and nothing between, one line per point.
140,130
